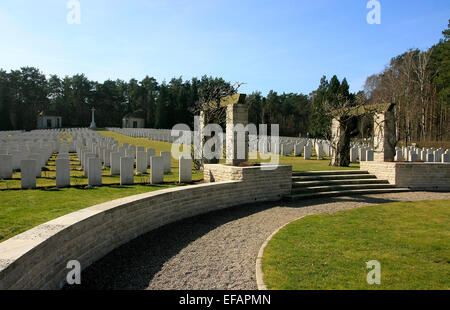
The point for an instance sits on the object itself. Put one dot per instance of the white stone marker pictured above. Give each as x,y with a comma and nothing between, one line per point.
140,149
167,156
150,152
369,155
62,172
185,175
398,155
122,151
63,156
95,171
28,173
353,154
37,168
131,151
307,153
141,162
298,149
86,163
362,155
107,157
6,168
126,170
319,150
115,163
157,171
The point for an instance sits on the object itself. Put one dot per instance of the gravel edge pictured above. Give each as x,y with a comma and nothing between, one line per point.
259,272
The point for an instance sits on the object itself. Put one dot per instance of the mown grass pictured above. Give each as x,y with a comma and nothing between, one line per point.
21,210
411,240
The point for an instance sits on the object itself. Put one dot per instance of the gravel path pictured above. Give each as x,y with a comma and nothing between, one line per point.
216,250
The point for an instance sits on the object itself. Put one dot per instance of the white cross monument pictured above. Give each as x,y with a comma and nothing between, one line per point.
93,126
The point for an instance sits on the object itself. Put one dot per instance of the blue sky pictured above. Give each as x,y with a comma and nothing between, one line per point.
282,45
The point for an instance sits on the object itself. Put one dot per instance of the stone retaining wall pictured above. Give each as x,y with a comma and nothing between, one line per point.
429,176
37,258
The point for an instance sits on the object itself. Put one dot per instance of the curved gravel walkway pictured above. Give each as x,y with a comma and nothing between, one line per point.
217,250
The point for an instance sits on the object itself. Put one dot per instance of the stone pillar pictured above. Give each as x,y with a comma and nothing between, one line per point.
384,136
237,151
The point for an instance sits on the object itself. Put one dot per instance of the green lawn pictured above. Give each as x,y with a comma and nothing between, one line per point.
21,210
411,240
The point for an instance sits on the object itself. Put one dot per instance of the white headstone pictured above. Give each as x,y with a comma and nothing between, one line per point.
126,170
185,175
157,171
150,152
37,168
115,163
141,162
107,157
95,171
62,172
167,156
28,173
6,168
307,153
369,155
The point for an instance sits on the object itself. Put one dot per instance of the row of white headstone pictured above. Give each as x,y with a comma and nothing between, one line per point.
96,151
412,154
263,144
30,152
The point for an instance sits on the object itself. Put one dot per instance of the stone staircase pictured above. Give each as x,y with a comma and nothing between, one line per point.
312,184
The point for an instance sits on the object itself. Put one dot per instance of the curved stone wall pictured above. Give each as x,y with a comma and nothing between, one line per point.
37,258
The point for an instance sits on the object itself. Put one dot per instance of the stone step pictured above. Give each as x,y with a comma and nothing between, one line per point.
334,188
345,193
335,172
337,182
333,177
